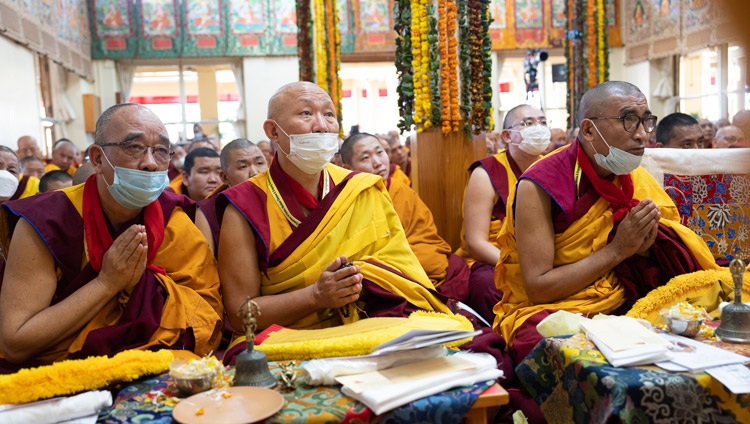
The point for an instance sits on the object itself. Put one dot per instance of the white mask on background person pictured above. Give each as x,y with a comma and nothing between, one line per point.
535,139
618,161
179,163
312,151
8,184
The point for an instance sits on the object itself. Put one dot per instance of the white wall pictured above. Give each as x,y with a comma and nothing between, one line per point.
262,77
106,83
18,102
75,130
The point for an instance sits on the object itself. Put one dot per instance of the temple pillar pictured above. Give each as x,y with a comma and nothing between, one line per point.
439,174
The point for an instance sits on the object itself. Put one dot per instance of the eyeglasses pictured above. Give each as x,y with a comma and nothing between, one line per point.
530,122
137,150
631,121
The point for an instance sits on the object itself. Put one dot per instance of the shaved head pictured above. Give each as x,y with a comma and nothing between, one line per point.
595,99
102,124
278,102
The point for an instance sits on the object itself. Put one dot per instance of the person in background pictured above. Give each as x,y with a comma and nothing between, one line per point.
558,138
679,131
83,173
709,132
198,133
32,166
201,174
55,180
527,136
63,157
336,159
399,156
178,161
109,265
448,272
28,146
268,149
14,185
729,136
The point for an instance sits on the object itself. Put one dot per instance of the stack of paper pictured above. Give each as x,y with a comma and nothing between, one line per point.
387,389
416,339
692,355
625,342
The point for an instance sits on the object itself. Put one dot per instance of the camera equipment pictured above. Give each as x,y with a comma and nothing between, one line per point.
530,63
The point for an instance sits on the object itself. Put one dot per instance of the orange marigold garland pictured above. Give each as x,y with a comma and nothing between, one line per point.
445,99
453,66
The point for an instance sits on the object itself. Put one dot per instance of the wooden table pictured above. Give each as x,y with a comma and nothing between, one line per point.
494,396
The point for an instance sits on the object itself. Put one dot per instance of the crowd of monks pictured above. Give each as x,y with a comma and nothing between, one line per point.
158,247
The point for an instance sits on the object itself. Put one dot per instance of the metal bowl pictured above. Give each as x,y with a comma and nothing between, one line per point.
687,328
193,382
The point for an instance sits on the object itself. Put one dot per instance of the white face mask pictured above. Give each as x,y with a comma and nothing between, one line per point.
8,184
617,161
312,151
535,139
179,163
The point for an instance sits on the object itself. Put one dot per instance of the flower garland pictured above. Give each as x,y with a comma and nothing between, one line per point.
590,30
453,93
418,10
602,47
328,52
464,55
432,38
78,375
321,70
476,87
445,101
487,120
404,58
304,41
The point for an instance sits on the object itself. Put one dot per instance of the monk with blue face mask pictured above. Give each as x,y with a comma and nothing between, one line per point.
114,263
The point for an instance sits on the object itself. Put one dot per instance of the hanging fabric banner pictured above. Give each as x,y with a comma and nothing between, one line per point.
247,27
113,29
204,28
160,34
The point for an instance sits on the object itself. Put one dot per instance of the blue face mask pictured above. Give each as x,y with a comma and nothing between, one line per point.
135,189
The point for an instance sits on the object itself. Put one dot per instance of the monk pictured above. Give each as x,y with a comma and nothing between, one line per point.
63,157
679,131
597,232
201,174
448,272
318,245
526,135
14,185
240,160
28,146
111,264
32,166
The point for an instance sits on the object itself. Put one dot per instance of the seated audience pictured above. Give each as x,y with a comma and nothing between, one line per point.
63,157
201,174
557,139
679,131
55,180
83,173
28,146
178,160
728,136
268,149
13,185
297,227
32,166
741,120
448,272
709,132
597,232
109,265
399,156
526,134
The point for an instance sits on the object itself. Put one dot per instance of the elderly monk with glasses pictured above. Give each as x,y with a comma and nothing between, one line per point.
112,264
588,230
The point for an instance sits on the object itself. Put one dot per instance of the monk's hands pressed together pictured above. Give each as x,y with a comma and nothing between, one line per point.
124,262
337,286
637,232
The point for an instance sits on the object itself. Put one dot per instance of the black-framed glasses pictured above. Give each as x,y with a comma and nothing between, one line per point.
531,122
137,151
631,121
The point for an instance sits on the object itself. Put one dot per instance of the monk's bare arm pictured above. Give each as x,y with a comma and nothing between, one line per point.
202,223
479,201
536,247
240,278
28,323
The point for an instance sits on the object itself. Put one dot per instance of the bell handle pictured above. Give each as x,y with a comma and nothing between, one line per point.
737,268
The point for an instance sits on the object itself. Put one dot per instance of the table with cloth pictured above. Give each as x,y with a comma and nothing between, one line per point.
151,400
571,381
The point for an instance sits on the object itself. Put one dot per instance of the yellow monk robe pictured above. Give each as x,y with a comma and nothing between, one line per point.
52,167
421,232
398,174
583,237
27,186
176,185
355,219
503,173
191,306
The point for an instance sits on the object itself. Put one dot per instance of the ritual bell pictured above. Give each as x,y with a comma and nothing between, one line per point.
735,317
251,368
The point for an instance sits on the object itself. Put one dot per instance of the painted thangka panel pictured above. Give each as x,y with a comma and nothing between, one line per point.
113,23
204,28
160,34
346,20
374,26
248,26
58,29
284,27
698,20
638,16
